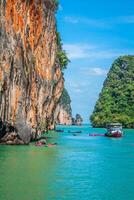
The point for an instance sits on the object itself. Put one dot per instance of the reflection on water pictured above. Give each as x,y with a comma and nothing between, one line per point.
80,167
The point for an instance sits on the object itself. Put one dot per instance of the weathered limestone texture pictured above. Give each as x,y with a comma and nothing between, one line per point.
31,81
64,110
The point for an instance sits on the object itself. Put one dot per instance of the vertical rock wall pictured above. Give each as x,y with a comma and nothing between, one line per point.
31,80
64,110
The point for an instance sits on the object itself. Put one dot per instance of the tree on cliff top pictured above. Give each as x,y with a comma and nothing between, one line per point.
116,100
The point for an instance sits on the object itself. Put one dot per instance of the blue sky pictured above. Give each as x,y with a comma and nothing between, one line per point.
94,34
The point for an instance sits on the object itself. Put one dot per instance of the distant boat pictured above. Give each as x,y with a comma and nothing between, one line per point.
114,130
59,131
74,132
96,134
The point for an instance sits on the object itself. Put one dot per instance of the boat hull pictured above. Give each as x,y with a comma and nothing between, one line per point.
114,134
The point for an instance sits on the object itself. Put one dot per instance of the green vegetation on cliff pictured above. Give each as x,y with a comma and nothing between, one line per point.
65,101
116,100
61,54
56,3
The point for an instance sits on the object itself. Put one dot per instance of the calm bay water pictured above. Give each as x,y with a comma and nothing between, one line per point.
79,167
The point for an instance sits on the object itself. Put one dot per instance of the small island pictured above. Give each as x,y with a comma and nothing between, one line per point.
116,100
77,120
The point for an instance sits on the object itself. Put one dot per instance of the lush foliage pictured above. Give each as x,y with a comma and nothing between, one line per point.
44,125
56,3
61,54
116,100
63,59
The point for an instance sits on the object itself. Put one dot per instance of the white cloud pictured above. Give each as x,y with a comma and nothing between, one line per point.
77,51
106,54
78,86
75,87
126,19
96,71
60,8
84,20
72,20
78,90
100,23
82,51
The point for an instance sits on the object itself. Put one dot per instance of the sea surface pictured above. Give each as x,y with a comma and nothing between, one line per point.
80,167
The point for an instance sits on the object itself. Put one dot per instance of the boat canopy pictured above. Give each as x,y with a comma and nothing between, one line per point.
114,126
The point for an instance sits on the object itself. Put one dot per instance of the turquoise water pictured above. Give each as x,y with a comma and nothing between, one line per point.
79,167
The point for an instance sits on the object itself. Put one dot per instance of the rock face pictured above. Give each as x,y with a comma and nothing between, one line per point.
78,120
31,81
116,100
64,111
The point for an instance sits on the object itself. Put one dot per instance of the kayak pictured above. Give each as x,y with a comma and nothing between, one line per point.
96,134
51,145
74,132
39,144
59,131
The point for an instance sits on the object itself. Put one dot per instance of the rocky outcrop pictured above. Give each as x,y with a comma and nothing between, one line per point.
64,111
31,81
78,120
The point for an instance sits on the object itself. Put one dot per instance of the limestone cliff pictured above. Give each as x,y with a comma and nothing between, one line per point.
63,110
116,100
31,80
77,120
